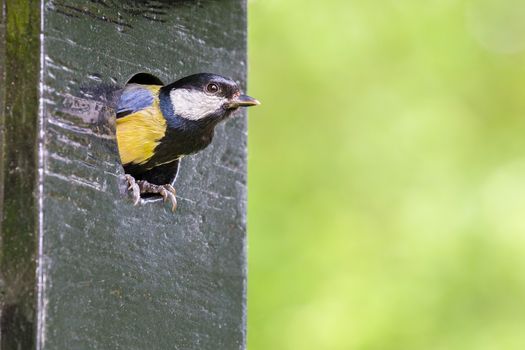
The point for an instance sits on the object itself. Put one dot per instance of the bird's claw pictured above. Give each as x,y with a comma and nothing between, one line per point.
138,187
166,191
134,187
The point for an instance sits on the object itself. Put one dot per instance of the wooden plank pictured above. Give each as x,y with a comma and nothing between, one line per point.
19,172
114,275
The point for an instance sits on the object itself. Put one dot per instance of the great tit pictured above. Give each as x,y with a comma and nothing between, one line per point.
158,125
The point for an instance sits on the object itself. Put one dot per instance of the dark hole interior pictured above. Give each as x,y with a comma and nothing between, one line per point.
146,79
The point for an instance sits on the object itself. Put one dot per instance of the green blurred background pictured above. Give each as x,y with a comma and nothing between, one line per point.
387,174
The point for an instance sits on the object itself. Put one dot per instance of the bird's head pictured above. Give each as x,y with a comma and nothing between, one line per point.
205,96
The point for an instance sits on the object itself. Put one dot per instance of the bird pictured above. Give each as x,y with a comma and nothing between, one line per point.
156,126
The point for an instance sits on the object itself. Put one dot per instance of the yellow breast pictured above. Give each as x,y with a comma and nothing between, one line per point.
139,133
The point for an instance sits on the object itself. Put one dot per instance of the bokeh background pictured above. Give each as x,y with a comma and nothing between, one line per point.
387,174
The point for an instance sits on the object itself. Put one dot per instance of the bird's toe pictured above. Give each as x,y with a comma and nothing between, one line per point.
173,201
134,187
167,192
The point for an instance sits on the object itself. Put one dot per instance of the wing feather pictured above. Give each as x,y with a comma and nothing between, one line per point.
136,97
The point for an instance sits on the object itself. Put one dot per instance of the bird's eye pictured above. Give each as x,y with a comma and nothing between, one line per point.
212,88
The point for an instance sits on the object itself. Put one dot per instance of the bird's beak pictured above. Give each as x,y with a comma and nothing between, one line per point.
243,101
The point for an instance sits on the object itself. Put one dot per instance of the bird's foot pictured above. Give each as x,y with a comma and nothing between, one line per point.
134,187
141,186
166,191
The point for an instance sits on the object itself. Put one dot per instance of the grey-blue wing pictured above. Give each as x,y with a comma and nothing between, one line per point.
134,98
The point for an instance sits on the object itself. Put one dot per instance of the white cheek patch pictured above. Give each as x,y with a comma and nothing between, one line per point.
193,104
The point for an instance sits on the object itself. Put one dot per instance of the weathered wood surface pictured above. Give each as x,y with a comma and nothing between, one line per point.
19,119
81,268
